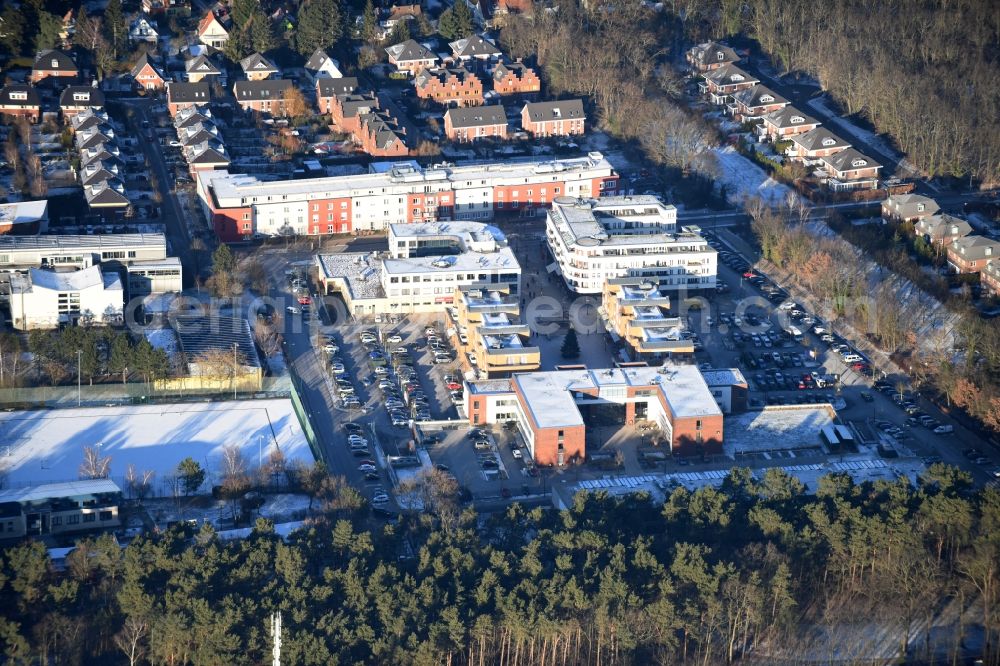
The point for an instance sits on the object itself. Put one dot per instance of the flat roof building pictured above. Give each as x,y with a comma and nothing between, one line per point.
24,217
548,407
241,205
626,236
47,299
59,508
425,264
637,311
486,316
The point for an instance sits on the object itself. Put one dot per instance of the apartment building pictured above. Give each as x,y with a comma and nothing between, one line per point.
487,326
515,78
381,135
560,118
267,96
453,85
19,100
989,278
59,508
241,205
755,102
53,63
848,170
181,95
971,253
329,88
626,236
478,122
426,264
722,83
710,56
637,312
77,99
784,123
908,207
942,230
549,408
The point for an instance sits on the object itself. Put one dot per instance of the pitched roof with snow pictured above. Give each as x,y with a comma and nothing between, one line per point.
256,91
257,63
759,95
711,52
201,64
819,138
729,74
473,47
19,91
54,61
566,109
81,96
476,116
849,159
910,205
410,51
179,92
938,227
972,248
789,116
342,86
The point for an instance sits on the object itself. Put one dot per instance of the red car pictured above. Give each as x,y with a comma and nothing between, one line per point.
304,300
452,386
749,274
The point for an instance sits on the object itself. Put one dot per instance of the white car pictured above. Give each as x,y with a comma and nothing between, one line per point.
787,305
291,310
518,454
472,359
380,498
330,348
394,339
367,468
175,144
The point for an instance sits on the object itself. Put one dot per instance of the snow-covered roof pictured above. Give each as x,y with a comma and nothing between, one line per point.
69,281
47,491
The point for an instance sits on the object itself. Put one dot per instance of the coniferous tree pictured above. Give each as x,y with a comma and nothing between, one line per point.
320,26
369,22
14,26
191,475
259,33
115,27
571,346
456,21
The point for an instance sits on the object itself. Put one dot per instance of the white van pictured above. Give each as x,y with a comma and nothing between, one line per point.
852,358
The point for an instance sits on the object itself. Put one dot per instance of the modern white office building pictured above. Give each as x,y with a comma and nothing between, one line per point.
23,252
425,264
242,206
46,299
593,240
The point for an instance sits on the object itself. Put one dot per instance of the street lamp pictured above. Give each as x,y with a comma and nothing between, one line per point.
235,347
79,358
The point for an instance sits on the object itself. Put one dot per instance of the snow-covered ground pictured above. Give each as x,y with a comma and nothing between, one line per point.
860,468
744,179
47,445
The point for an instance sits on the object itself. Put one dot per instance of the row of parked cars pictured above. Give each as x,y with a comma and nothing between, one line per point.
907,401
346,391
359,445
402,395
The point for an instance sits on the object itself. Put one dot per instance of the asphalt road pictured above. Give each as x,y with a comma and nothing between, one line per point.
170,209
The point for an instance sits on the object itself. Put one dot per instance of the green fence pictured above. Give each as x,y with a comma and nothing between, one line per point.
304,419
129,394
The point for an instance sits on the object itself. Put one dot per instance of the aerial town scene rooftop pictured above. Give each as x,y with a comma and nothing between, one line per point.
510,331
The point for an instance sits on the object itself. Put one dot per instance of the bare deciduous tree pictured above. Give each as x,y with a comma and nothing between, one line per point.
94,465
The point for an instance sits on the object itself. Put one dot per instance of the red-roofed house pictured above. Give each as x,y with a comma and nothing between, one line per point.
211,32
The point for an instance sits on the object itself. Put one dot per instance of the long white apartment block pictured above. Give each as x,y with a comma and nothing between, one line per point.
593,240
241,207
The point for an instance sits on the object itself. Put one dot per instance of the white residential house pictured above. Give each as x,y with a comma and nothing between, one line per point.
142,30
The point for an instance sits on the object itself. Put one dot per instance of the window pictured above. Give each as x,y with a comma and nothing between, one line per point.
56,521
18,95
106,515
73,520
766,98
697,424
90,517
859,163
